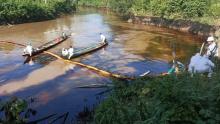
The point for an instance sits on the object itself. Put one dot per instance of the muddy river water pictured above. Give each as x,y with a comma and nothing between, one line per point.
132,50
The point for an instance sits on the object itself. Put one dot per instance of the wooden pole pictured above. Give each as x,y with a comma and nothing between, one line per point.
201,49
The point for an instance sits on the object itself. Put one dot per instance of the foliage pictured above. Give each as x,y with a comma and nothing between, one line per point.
13,110
165,8
121,6
163,100
96,3
215,10
19,11
17,111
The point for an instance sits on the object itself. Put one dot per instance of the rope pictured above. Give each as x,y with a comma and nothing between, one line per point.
97,70
11,42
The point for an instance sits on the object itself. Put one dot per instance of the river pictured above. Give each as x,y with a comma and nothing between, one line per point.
132,50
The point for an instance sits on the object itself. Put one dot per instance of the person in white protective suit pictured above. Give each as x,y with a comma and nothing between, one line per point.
28,49
212,49
201,64
70,52
64,52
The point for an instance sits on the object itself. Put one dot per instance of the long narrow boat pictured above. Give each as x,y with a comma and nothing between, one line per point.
47,45
89,49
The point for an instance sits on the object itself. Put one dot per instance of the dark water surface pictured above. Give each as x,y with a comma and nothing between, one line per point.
132,50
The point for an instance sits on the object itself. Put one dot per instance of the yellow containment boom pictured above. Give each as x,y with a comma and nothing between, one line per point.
97,70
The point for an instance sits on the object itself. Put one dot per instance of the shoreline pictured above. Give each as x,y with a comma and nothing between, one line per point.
185,26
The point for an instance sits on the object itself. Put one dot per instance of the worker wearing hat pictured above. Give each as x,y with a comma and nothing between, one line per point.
212,49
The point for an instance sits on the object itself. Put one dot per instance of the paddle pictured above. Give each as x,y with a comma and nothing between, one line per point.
27,59
146,73
173,69
174,54
95,86
201,49
174,57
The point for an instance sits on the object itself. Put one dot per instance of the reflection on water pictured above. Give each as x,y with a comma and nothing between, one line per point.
36,77
132,50
5,48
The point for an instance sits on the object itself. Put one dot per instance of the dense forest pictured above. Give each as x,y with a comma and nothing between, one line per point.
21,11
201,10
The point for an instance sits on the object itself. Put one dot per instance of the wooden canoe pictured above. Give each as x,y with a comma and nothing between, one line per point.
47,46
86,50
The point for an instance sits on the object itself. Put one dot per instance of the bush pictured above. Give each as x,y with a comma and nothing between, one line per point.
215,10
19,11
169,99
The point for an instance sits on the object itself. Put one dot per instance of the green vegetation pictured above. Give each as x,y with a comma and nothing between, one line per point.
20,11
171,99
13,110
17,111
199,10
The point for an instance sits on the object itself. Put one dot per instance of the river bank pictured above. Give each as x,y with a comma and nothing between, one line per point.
23,11
195,17
186,26
168,99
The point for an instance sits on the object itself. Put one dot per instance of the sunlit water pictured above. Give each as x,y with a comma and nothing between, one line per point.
132,50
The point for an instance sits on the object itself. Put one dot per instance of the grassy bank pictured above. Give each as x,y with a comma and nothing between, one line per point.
21,11
169,99
205,11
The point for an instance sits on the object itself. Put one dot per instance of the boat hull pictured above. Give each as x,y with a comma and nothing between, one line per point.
87,50
47,46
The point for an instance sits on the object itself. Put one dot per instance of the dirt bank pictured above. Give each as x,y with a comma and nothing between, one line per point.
195,28
180,25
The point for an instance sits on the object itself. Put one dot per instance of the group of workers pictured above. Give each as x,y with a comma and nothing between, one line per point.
199,63
65,52
203,63
70,51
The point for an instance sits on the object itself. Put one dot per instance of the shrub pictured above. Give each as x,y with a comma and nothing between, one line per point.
163,100
163,8
19,11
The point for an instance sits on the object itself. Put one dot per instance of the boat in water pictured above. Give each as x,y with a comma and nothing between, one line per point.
86,50
47,46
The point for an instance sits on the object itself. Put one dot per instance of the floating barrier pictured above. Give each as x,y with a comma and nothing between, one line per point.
95,69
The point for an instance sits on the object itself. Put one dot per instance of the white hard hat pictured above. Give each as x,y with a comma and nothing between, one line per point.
210,38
